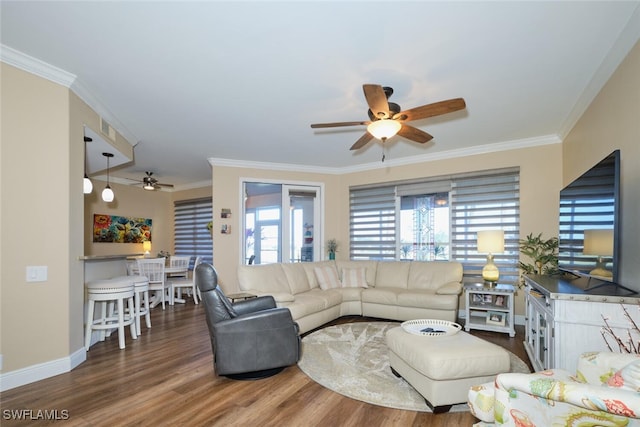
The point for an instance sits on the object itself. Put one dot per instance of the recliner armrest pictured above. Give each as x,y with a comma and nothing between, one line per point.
264,320
254,304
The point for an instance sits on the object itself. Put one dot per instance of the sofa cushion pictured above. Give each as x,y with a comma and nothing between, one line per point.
314,301
369,266
296,276
387,296
267,278
354,278
427,299
392,274
309,268
432,275
327,277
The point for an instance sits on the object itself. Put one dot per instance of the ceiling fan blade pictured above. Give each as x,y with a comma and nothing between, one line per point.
163,185
431,110
364,139
414,134
337,124
377,100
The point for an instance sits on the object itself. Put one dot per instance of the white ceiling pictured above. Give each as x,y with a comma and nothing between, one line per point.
242,81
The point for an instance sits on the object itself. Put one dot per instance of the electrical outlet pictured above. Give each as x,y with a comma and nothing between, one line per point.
37,273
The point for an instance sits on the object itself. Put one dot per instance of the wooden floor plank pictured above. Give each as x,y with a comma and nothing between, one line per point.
166,377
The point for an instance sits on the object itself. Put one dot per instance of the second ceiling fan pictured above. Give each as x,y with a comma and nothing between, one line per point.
387,119
149,182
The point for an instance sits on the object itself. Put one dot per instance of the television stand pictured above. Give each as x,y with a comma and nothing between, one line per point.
564,317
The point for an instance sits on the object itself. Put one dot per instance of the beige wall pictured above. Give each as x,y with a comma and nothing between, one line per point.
131,201
611,122
540,182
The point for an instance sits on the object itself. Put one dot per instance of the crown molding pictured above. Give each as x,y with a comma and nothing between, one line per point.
35,66
449,154
57,75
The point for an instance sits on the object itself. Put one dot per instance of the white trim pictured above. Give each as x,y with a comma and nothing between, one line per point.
41,371
35,66
64,78
449,154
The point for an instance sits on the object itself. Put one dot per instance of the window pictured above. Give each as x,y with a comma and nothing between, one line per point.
438,219
190,228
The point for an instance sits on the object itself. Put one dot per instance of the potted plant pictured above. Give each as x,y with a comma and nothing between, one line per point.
332,248
542,254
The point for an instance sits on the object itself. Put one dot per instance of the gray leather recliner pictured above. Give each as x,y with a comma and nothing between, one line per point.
250,339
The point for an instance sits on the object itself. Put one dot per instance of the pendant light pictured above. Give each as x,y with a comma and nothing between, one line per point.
107,193
87,185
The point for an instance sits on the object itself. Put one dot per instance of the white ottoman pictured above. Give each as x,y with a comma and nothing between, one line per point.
442,369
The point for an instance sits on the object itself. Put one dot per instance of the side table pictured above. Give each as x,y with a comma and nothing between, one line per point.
240,296
489,308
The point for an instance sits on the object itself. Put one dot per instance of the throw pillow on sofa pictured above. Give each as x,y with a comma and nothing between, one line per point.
354,278
327,277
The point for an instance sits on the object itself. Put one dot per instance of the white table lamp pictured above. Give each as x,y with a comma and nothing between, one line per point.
490,242
146,247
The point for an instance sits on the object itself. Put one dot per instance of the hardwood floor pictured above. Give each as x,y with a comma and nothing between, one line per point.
166,377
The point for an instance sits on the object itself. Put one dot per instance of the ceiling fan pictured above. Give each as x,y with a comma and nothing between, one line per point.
387,118
149,182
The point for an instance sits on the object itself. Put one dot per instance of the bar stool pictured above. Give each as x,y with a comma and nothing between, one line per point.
110,292
141,298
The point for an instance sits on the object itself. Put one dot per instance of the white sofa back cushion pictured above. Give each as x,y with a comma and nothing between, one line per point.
297,277
270,277
392,274
432,275
354,277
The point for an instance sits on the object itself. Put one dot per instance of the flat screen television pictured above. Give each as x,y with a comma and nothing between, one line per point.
589,232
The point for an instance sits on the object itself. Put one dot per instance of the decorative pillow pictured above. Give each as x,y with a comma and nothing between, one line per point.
354,277
327,277
627,378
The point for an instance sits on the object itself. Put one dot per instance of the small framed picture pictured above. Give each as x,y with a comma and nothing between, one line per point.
477,298
225,229
488,298
225,213
496,318
499,301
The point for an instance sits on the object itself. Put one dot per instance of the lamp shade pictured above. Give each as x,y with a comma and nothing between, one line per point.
107,194
383,129
87,185
491,241
598,242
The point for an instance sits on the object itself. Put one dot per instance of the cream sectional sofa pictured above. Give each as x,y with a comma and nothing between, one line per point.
319,292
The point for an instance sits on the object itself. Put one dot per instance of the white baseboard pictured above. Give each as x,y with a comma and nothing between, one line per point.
41,371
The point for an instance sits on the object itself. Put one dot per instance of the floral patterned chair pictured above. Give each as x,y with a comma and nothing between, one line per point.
605,391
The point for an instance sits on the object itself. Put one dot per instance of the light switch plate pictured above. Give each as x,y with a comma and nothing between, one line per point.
37,273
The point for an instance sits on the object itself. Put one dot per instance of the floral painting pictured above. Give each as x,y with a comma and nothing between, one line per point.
120,229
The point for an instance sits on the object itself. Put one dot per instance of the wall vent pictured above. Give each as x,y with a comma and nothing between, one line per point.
107,129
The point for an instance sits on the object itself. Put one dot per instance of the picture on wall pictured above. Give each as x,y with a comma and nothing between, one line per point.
120,229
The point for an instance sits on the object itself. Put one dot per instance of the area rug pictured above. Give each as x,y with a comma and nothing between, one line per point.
351,359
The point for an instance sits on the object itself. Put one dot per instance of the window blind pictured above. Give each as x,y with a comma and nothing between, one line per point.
373,223
191,236
490,200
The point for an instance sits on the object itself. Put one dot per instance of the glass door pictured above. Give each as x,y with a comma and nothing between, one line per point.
302,226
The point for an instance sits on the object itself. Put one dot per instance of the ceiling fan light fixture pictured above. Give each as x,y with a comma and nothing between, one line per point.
384,129
148,186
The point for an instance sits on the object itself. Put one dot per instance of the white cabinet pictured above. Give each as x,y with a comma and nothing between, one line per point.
489,308
563,320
